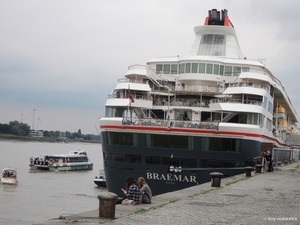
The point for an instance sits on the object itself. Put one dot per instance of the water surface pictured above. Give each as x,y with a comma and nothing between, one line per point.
42,195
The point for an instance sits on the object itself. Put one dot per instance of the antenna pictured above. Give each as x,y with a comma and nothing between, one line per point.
262,60
97,130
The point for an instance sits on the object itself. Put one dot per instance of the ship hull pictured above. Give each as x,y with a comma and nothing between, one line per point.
159,176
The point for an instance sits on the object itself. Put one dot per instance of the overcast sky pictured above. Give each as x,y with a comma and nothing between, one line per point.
63,57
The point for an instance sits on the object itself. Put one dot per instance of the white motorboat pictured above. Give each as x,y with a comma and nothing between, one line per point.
9,176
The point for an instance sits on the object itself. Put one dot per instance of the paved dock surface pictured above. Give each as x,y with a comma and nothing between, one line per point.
263,198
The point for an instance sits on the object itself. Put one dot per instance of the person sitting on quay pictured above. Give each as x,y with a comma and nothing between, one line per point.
132,193
145,191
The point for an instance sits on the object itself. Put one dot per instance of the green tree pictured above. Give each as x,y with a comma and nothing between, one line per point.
4,128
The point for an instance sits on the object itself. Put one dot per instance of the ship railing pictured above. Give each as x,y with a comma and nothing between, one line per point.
248,84
257,160
240,101
200,88
136,81
134,96
171,123
182,102
285,156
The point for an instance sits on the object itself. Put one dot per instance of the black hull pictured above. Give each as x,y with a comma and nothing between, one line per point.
118,166
166,182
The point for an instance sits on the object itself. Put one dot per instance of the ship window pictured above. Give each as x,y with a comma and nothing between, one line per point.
170,161
159,68
187,67
254,118
181,67
116,157
212,44
132,158
228,70
186,162
271,90
201,67
216,69
169,141
245,69
219,163
265,102
209,68
236,71
173,69
269,124
121,138
166,68
194,67
221,70
221,144
152,159
270,107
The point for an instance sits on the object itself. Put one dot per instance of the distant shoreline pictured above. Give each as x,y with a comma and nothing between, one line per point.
43,139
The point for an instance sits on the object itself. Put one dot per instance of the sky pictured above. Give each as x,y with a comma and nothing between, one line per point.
60,59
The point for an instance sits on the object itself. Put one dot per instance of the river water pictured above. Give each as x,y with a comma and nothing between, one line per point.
40,196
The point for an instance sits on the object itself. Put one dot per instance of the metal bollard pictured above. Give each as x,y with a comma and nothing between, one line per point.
107,204
248,171
258,168
216,179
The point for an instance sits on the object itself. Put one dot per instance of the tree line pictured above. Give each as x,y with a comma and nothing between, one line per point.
23,129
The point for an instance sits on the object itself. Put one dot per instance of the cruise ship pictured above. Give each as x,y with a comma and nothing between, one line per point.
177,119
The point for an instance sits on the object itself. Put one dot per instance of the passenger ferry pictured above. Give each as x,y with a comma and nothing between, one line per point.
177,119
75,160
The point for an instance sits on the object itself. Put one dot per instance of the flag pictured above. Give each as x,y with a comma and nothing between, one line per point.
131,99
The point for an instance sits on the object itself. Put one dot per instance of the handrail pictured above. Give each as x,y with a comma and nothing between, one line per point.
171,123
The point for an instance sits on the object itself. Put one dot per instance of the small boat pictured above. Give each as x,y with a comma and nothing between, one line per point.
100,180
9,176
75,160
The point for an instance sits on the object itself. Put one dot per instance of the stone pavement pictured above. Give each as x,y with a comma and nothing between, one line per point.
263,198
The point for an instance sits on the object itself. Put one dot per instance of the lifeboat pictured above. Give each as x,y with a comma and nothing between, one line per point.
280,112
280,109
283,125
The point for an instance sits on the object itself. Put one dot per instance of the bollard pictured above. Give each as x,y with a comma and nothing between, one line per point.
216,179
107,204
279,163
285,162
248,171
258,168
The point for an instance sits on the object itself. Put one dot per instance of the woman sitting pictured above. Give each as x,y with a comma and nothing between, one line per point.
145,190
132,193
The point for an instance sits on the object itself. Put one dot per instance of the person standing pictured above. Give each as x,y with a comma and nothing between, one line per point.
269,160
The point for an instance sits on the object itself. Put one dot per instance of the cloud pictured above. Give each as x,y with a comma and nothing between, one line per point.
66,56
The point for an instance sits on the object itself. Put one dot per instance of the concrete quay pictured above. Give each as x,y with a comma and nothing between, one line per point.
263,198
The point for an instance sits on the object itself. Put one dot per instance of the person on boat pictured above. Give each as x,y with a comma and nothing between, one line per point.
269,160
145,190
185,116
132,192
